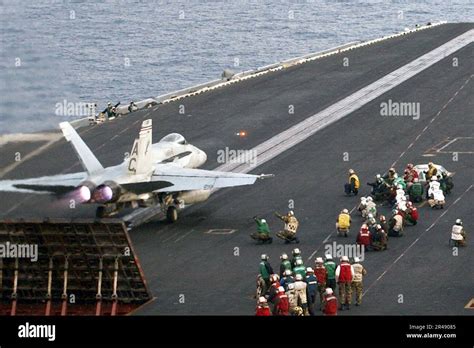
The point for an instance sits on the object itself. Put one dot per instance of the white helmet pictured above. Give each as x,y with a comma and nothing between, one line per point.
345,258
378,176
319,260
296,251
288,272
263,221
299,262
369,199
262,299
264,257
351,171
328,257
291,213
458,222
309,270
345,211
434,178
291,286
356,259
363,199
299,277
328,291
284,256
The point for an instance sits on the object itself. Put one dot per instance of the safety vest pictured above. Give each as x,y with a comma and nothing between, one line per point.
330,269
321,274
356,180
344,220
345,273
456,233
263,311
358,272
364,237
291,224
431,172
283,305
416,189
299,270
331,305
264,271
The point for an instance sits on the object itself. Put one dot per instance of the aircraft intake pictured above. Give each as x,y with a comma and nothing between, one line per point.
107,192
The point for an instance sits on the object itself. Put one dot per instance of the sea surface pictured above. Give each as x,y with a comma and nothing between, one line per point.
56,53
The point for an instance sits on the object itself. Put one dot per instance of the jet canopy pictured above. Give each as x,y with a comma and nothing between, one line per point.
174,138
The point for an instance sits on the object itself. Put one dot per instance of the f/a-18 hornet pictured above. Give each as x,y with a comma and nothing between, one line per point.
163,173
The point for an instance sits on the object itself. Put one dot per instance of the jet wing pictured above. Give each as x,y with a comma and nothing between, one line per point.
58,184
185,179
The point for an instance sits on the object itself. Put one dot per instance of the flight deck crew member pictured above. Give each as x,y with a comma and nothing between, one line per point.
291,226
300,291
458,235
343,223
415,191
265,271
353,185
321,274
263,231
359,273
311,289
284,265
431,172
262,307
287,279
344,277
299,268
110,111
364,237
329,305
282,305
296,256
330,266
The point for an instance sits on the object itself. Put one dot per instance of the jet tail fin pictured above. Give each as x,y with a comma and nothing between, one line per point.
90,163
141,160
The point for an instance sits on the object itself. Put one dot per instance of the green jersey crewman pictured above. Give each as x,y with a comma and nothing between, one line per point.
263,231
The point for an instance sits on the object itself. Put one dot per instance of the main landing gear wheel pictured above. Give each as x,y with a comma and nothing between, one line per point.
172,214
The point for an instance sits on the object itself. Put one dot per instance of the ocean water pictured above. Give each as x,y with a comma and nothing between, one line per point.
54,52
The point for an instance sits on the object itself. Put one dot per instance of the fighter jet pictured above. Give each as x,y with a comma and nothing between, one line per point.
163,173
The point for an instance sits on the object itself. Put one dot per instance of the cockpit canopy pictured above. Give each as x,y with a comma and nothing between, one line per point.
174,138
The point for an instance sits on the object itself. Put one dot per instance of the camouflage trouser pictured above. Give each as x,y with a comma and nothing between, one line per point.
321,289
345,293
260,236
288,235
357,287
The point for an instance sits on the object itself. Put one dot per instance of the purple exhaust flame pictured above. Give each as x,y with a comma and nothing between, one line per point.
103,194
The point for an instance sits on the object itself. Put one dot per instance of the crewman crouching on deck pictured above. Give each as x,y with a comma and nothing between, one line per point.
343,223
263,231
291,226
352,187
